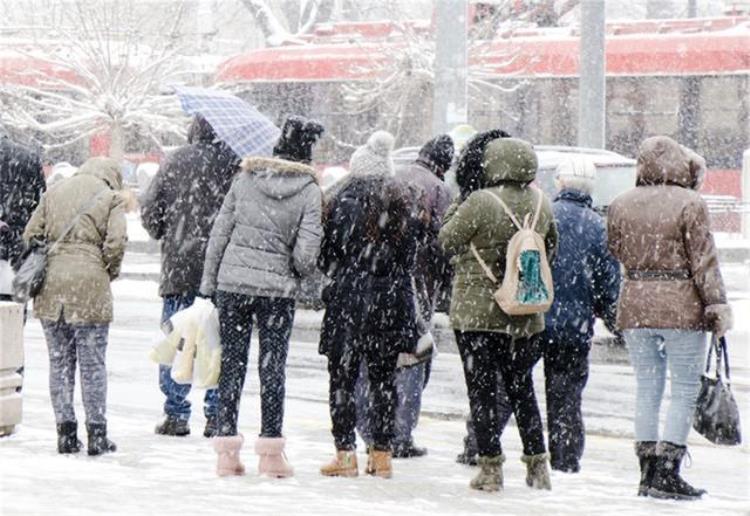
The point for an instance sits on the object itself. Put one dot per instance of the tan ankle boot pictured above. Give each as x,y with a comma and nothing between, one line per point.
343,465
379,463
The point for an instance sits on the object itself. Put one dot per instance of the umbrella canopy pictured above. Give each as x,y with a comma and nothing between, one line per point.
245,129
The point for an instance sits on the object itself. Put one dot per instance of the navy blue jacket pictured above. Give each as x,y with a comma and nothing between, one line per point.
586,276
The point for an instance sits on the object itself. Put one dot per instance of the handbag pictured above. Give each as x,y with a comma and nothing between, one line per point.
717,416
29,279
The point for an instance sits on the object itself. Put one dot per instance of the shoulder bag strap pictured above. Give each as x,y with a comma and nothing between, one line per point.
81,212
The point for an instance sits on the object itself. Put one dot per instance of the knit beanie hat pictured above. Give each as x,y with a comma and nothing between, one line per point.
298,136
374,157
437,154
460,135
577,173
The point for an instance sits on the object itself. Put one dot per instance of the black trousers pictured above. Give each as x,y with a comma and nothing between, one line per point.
484,355
343,368
566,371
504,412
274,316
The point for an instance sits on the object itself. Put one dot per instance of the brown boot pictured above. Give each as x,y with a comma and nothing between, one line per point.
379,463
344,465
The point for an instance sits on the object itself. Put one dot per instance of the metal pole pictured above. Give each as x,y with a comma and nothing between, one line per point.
688,116
592,83
692,10
449,105
746,194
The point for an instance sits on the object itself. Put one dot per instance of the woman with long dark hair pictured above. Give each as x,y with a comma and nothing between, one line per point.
368,251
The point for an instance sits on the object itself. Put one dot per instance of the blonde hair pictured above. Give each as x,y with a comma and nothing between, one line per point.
576,173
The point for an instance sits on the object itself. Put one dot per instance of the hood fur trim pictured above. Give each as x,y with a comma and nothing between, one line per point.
257,164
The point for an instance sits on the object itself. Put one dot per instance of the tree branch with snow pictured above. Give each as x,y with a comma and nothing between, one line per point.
98,78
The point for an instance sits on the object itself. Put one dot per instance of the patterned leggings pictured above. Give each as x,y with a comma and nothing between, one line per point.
274,316
85,344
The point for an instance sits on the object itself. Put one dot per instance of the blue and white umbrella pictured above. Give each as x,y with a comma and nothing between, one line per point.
245,129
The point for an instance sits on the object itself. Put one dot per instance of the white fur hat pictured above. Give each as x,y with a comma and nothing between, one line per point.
578,173
374,157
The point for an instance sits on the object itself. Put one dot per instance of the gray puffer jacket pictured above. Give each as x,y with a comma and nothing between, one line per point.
267,234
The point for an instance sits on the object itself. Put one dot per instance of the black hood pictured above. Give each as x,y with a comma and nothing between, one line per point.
201,131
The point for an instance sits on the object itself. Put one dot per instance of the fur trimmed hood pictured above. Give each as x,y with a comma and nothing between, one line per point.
279,178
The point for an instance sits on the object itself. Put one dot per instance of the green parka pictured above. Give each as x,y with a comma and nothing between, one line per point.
80,269
509,167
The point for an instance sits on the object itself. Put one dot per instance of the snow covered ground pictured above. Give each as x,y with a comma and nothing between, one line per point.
153,474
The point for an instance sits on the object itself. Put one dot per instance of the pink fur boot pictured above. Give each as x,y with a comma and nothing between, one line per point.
272,457
228,451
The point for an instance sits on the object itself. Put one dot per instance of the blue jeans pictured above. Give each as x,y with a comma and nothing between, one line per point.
177,404
651,352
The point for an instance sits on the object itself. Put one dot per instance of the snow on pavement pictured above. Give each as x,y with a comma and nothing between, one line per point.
154,474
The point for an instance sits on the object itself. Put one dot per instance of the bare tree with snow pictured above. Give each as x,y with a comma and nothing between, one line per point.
94,74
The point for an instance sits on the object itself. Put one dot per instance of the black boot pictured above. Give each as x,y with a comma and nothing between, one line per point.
212,427
173,426
469,455
646,452
667,482
98,442
67,438
408,450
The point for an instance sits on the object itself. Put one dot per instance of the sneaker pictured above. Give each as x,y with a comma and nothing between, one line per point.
173,426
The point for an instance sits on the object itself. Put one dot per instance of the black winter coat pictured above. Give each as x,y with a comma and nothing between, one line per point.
586,276
21,187
181,204
371,292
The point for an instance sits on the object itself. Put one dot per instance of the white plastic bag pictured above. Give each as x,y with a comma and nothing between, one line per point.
184,331
208,352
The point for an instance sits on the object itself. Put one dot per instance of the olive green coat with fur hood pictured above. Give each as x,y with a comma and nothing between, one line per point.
660,233
80,268
510,166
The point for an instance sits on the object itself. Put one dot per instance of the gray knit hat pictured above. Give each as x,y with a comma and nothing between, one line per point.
374,157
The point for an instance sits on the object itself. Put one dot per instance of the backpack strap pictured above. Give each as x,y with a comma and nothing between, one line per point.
510,214
538,211
483,264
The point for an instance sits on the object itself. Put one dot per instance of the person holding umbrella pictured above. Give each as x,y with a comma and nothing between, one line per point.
266,237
